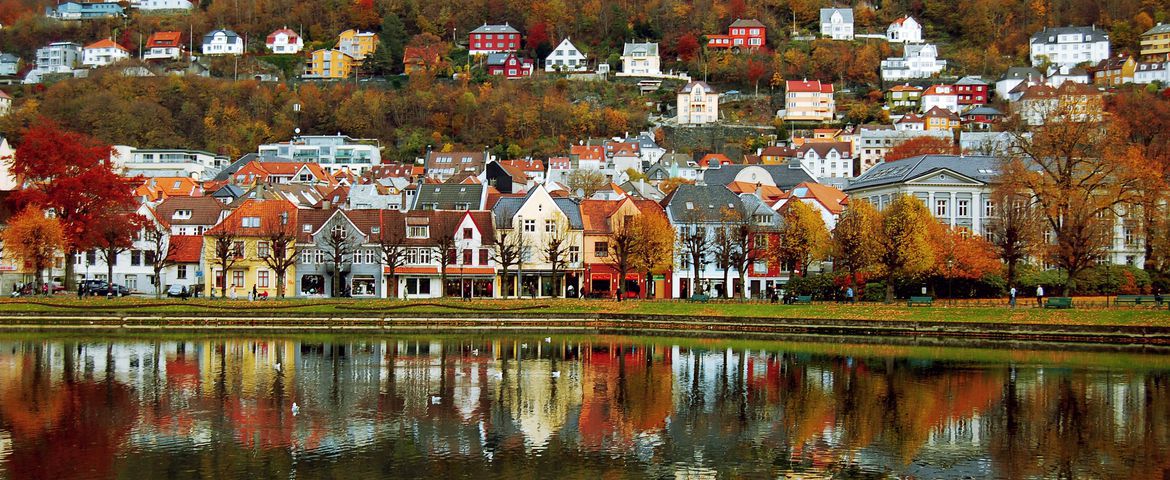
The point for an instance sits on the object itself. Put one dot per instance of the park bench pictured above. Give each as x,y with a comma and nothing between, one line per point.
699,297
924,301
802,300
1136,300
1058,302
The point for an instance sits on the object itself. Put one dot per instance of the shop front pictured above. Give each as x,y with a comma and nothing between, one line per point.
470,282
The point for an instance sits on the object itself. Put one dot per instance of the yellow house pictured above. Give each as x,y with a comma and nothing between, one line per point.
1155,43
357,44
247,237
329,64
939,118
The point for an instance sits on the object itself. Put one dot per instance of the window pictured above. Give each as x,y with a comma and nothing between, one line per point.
237,278
218,279
761,241
601,249
988,208
574,254
466,233
307,256
262,279
467,254
417,231
964,207
238,249
418,286
530,225
308,228
1130,239
940,208
262,249
250,222
550,226
136,258
339,231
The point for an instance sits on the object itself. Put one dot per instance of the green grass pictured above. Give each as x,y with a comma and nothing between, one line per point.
453,307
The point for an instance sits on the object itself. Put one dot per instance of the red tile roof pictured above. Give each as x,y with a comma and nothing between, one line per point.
807,86
186,248
165,39
105,43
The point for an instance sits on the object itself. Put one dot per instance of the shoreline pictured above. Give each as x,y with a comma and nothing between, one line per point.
530,322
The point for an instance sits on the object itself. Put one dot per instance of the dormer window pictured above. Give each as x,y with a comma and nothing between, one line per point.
181,215
418,231
250,222
375,230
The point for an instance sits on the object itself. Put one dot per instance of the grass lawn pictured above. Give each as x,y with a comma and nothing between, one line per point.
64,305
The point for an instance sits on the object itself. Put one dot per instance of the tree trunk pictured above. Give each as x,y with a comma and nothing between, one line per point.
889,289
504,282
280,283
223,286
1011,273
110,259
69,281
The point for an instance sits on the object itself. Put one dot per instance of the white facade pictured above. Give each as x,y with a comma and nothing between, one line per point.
942,96
103,53
904,30
826,161
641,60
1145,73
1069,46
9,64
917,61
565,58
153,162
5,106
162,4
223,42
837,23
284,41
59,57
332,152
873,143
698,104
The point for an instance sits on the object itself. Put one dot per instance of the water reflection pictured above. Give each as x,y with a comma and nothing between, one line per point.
584,407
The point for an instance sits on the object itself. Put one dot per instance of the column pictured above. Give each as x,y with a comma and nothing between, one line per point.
953,207
976,213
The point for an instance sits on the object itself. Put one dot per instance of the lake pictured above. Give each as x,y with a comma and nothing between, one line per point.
487,406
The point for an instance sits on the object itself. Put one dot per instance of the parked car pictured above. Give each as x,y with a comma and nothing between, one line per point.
101,287
176,290
30,288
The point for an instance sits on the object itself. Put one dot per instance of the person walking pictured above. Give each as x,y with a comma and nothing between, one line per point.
849,295
1012,297
1040,296
80,291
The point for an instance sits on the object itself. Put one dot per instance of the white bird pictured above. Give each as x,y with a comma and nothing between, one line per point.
475,351
547,339
295,409
435,399
556,374
277,366
523,346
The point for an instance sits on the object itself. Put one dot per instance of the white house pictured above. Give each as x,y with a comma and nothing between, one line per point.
641,60
904,30
58,57
332,152
1069,46
565,58
827,159
1150,72
103,52
837,23
154,162
918,60
153,5
698,104
284,41
223,42
536,218
942,96
1013,78
9,64
875,140
5,106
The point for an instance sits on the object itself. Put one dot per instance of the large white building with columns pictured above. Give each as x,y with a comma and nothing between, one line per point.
957,191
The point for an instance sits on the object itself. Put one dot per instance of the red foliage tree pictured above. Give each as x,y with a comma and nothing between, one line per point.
755,71
538,38
72,175
737,9
363,14
112,233
688,46
921,146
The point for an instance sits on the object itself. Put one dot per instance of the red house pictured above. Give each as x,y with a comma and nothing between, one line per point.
493,39
742,34
972,91
508,65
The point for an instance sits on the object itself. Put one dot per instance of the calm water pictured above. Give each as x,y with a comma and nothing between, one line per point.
573,407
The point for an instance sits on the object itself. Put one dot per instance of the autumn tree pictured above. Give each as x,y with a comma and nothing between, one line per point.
959,255
226,250
280,236
392,246
72,175
921,146
1015,228
654,250
1081,180
696,241
162,251
803,236
623,245
35,239
723,252
584,183
555,249
509,249
112,234
904,250
671,184
854,239
338,248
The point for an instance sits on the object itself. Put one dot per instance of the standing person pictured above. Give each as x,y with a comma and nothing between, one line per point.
1040,296
849,295
1012,297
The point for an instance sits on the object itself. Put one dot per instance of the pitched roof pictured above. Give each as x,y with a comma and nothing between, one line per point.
506,208
905,88
595,214
528,165
1051,35
846,14
187,248
702,203
784,176
204,210
587,152
940,90
823,148
747,22
268,211
830,197
648,49
105,43
714,158
1158,29
165,39
970,80
980,168
939,112
807,86
448,196
285,30
778,151
156,188
485,28
232,37
696,83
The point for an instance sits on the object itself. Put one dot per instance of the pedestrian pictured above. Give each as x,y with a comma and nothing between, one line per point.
1012,297
569,292
80,291
1040,296
185,294
849,295
618,297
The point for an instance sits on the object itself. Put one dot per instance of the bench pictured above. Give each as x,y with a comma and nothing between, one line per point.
802,300
1058,302
924,301
699,297
1136,300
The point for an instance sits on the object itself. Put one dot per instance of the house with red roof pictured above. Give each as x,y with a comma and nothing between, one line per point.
602,277
714,160
185,255
743,34
284,41
828,201
241,242
810,101
163,46
157,189
103,52
266,172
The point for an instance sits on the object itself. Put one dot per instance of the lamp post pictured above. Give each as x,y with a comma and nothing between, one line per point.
519,227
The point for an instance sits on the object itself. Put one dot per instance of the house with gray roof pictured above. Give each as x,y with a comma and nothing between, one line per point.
837,23
785,176
450,196
223,42
9,65
955,188
1068,47
537,218
700,211
641,60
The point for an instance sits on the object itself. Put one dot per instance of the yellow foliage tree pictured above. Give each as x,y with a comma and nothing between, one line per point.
904,251
34,239
803,236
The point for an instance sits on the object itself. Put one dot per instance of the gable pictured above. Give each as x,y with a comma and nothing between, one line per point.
943,176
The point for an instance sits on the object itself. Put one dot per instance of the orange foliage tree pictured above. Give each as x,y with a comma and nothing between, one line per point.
34,239
921,146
